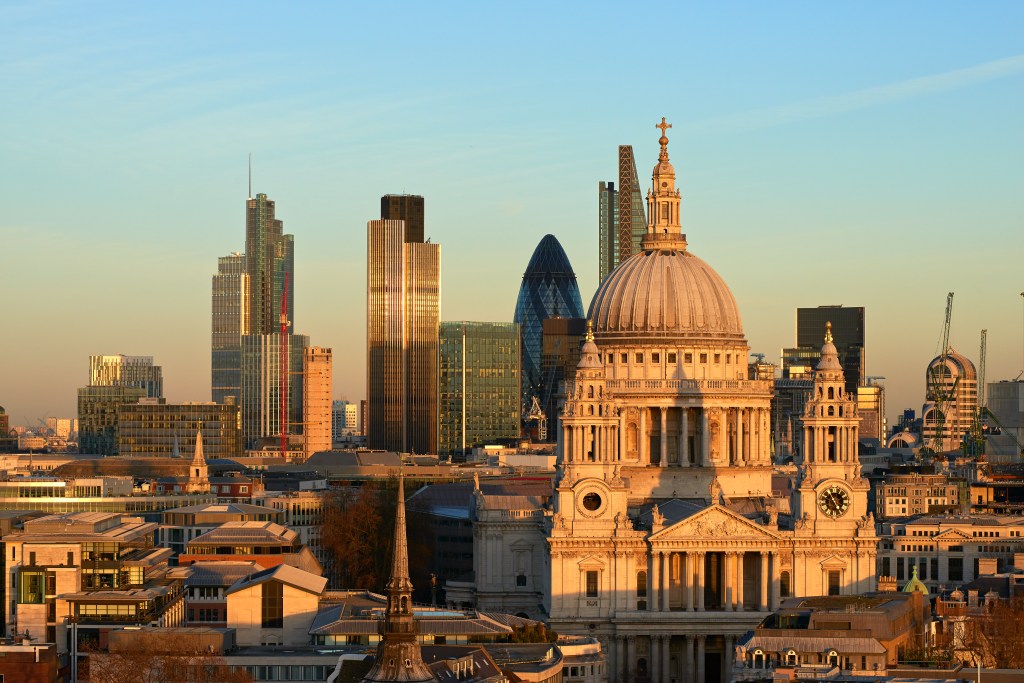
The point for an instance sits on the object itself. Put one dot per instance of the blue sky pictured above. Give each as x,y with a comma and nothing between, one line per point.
856,153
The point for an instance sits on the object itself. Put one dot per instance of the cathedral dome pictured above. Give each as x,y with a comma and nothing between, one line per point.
666,294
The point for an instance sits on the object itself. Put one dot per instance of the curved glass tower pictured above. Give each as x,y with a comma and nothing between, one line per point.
549,289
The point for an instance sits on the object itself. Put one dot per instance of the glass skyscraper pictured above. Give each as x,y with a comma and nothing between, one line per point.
847,333
548,290
478,385
608,229
261,387
127,371
403,310
269,259
620,214
230,322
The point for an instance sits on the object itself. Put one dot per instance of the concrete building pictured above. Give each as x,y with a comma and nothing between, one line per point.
316,400
302,512
909,495
268,544
561,340
403,309
478,386
8,440
154,428
948,551
179,526
275,606
848,331
871,407
344,421
1005,404
265,360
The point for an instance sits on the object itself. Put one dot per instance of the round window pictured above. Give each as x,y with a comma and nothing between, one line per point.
591,501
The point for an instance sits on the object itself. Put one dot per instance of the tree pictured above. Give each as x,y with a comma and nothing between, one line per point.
996,634
157,657
358,533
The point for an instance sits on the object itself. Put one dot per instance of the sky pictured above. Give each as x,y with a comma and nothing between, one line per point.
857,153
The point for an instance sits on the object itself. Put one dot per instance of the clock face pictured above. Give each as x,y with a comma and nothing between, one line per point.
834,501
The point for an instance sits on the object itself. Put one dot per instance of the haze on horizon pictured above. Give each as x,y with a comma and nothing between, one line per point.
842,153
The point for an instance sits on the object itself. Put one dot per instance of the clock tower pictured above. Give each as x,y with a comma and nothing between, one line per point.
832,496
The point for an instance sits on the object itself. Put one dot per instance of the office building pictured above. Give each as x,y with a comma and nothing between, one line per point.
154,428
621,219
269,263
403,307
263,367
561,340
316,400
608,229
127,371
908,495
407,208
230,322
848,333
344,420
951,401
871,407
1005,405
478,385
548,290
97,416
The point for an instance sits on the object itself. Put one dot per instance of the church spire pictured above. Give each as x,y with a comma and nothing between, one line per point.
664,231
398,654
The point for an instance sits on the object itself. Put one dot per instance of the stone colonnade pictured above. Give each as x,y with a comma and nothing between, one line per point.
830,443
705,580
680,657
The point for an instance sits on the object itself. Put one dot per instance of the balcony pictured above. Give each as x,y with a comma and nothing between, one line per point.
690,386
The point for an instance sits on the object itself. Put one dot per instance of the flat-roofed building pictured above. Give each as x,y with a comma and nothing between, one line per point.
154,428
181,525
268,544
907,495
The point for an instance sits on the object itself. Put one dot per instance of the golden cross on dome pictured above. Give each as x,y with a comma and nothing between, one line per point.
664,126
828,332
590,331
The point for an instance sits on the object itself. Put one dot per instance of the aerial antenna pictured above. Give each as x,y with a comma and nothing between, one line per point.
250,175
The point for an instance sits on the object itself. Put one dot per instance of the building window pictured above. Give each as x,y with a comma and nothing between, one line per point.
639,358
591,584
833,582
671,358
655,357
687,357
718,358
703,358
521,579
784,584
886,567
625,358
273,604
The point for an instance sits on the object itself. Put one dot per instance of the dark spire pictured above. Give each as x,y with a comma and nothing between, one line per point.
398,654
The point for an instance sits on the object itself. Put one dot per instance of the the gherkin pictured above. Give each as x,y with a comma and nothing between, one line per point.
549,289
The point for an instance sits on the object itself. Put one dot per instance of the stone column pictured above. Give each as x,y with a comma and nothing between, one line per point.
666,653
630,658
684,437
773,596
730,572
739,437
763,598
666,576
654,659
727,658
642,442
664,437
700,659
655,575
806,446
622,434
689,675
687,565
705,439
619,663
699,558
739,581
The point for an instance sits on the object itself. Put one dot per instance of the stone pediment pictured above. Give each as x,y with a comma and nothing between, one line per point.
833,562
715,523
591,562
949,535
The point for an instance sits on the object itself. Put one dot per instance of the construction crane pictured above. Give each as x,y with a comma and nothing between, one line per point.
974,443
537,415
938,394
283,362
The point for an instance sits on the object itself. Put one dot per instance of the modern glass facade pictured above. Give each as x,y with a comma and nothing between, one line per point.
548,290
847,333
169,429
403,307
269,258
230,321
478,385
261,387
97,416
632,221
127,371
561,343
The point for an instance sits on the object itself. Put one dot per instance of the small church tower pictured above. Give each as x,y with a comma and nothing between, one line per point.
198,472
398,654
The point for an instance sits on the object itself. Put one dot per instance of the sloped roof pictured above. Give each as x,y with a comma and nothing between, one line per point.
311,583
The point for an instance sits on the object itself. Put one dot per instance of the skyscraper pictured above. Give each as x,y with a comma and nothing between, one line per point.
632,220
848,332
229,323
478,385
262,370
560,343
403,306
127,371
548,290
316,400
608,229
269,261
97,416
621,218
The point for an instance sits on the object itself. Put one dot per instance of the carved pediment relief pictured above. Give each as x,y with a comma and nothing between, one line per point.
949,535
591,562
833,562
715,523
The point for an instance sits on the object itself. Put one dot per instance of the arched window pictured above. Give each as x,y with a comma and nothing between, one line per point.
590,409
791,657
641,584
819,392
831,411
590,391
831,393
405,601
759,658
833,658
784,584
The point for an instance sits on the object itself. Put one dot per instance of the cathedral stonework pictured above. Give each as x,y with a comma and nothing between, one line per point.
663,538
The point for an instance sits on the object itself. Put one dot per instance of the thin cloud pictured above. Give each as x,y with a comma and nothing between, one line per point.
865,98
